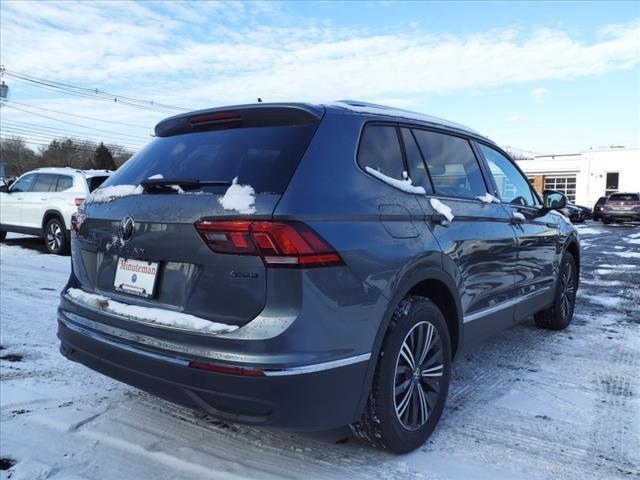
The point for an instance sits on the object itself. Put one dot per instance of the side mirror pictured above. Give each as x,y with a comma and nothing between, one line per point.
553,200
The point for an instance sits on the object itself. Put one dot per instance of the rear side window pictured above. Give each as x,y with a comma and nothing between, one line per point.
452,165
65,182
95,182
263,157
512,186
45,182
624,197
380,150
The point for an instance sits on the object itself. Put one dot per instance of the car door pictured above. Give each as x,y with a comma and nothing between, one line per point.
478,242
36,200
11,203
536,230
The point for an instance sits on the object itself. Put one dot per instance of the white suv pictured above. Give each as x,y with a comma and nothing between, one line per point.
41,202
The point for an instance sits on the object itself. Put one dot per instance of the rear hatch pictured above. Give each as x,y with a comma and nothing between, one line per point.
231,164
623,203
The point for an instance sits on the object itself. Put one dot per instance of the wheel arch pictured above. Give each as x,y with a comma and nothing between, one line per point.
432,283
52,213
574,249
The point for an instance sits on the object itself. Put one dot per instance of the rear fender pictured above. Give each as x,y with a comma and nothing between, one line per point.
426,269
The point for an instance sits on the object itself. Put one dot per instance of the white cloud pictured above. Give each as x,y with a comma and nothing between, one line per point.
539,94
240,53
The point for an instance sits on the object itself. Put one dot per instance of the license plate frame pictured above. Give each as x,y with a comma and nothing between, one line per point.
136,277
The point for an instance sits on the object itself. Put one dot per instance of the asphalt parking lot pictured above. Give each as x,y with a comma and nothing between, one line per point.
528,404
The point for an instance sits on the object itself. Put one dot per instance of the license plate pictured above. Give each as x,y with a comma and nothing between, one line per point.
137,277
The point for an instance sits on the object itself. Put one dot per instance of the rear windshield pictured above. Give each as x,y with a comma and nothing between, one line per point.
624,197
95,182
263,157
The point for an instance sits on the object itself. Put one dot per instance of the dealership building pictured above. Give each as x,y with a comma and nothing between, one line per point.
585,177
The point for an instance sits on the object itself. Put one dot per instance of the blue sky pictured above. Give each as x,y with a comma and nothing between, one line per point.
543,77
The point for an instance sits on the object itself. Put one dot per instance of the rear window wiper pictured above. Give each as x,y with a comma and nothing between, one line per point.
185,184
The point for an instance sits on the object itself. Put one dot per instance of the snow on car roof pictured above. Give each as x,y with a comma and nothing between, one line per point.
86,173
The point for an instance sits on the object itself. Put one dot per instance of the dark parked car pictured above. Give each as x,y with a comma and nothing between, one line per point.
621,207
598,207
312,266
576,213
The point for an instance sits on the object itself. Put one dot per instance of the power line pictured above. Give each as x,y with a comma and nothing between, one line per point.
47,136
52,131
93,93
40,143
76,124
146,127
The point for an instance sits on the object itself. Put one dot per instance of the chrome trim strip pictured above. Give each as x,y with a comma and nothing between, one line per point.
139,351
501,306
141,322
318,367
269,372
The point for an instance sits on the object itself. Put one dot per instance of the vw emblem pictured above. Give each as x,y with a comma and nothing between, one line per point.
127,228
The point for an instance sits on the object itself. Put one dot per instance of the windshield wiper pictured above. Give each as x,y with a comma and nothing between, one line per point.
184,184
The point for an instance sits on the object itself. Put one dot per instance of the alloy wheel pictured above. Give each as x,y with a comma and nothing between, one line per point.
54,236
567,292
418,375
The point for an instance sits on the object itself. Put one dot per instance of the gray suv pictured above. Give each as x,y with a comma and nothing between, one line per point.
311,266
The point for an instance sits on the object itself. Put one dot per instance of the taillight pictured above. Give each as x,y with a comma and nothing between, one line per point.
280,244
77,219
78,201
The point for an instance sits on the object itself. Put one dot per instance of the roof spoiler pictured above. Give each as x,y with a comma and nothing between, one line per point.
253,115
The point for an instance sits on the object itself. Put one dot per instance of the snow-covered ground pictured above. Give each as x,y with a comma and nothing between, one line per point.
529,404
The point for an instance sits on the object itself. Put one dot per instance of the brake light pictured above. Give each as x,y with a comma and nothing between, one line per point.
78,201
77,219
214,121
280,244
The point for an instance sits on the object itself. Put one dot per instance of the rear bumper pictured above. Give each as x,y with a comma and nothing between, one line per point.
621,215
296,398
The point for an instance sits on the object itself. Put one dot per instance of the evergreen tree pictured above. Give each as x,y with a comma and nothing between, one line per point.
103,159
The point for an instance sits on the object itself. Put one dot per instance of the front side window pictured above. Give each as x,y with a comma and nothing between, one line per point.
452,165
380,150
23,184
512,185
45,182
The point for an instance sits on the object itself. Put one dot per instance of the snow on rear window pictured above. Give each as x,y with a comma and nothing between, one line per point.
240,198
263,157
107,194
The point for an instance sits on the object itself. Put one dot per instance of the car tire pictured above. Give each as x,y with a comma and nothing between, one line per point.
3,235
405,403
559,315
55,237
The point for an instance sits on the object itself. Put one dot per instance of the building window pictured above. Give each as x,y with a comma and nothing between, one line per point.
612,183
565,184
